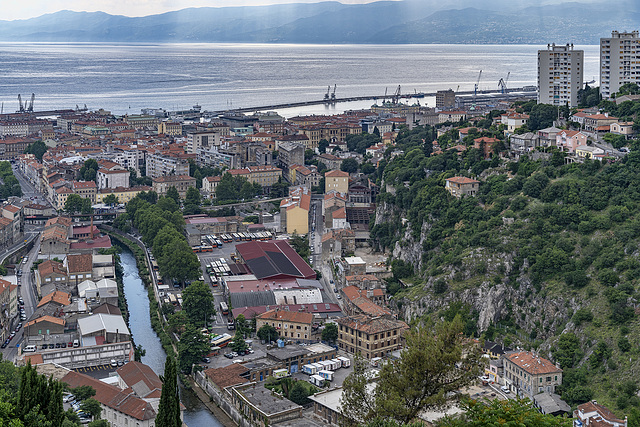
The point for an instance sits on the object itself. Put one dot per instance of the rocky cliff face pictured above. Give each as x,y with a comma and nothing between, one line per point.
496,291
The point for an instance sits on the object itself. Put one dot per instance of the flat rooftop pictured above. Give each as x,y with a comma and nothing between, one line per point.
262,399
288,352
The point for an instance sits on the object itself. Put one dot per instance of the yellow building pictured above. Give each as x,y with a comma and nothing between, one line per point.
123,194
294,211
170,128
336,181
266,176
289,324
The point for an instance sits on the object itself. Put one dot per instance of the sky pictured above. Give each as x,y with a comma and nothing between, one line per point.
16,9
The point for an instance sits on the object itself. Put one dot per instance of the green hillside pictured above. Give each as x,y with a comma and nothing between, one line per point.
546,256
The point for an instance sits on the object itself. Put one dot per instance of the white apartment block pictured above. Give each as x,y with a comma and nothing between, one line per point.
161,165
619,61
560,75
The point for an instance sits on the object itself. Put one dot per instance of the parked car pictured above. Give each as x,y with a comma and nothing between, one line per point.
57,345
120,362
114,363
68,398
229,355
206,360
63,345
4,345
52,346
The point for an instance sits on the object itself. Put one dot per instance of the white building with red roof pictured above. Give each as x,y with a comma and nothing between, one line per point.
591,414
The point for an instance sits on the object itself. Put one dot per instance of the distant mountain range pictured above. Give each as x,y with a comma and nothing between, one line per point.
395,22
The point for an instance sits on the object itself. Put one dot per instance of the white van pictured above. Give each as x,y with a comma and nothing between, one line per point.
30,349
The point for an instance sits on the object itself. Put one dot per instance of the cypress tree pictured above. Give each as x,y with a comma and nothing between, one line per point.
169,408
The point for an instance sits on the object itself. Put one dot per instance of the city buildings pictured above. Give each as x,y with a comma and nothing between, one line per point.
182,183
294,211
619,61
560,75
290,325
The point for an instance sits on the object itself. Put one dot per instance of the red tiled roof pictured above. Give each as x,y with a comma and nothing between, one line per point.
79,263
124,401
140,378
59,297
228,375
462,180
287,316
337,174
49,319
273,258
50,267
96,243
532,364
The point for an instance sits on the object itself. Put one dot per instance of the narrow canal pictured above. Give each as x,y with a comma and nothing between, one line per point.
196,414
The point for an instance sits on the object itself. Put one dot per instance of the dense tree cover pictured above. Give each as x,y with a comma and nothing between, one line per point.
360,142
199,172
509,412
349,165
545,227
236,188
238,344
161,227
169,407
198,304
437,361
589,96
192,346
301,245
37,148
88,170
10,185
77,204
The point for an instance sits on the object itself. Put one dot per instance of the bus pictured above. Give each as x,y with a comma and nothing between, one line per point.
154,265
224,308
206,248
221,340
160,280
173,299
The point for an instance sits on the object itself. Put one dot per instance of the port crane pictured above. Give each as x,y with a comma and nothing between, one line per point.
475,89
30,107
333,95
21,110
396,95
326,95
502,83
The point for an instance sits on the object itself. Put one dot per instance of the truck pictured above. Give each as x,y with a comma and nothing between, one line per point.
346,362
327,375
316,380
309,369
280,373
335,364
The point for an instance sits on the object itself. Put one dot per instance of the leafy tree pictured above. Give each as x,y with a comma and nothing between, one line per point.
168,204
98,423
38,149
268,333
567,351
139,353
92,407
322,145
83,392
177,321
330,332
192,347
169,406
198,303
88,170
349,165
74,203
299,393
437,362
239,344
172,192
179,262
242,324
111,199
502,412
193,197
301,246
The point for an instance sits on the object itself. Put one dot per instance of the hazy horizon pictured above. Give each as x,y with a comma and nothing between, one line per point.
137,8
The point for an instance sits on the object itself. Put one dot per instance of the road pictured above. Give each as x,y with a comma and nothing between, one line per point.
26,281
319,262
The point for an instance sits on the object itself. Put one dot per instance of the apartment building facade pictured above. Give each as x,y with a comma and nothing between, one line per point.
528,374
161,164
560,74
619,61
